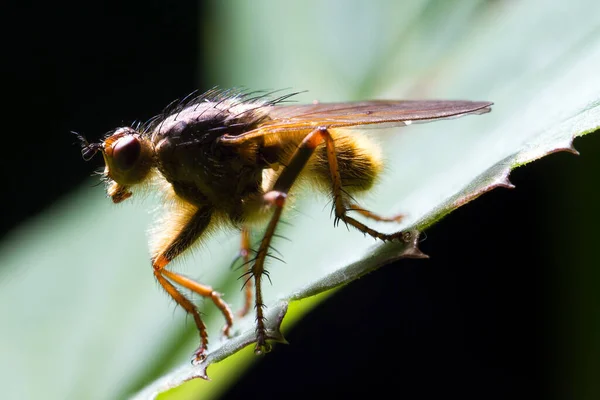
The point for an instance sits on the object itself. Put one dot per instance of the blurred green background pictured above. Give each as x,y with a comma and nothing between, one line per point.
508,306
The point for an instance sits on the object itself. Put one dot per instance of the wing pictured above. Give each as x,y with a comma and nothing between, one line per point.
338,115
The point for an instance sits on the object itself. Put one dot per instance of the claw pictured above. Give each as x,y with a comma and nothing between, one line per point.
199,356
226,331
262,347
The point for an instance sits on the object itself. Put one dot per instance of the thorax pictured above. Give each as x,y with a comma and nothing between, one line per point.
201,170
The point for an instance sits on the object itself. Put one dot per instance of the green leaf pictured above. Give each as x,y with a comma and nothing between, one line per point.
538,64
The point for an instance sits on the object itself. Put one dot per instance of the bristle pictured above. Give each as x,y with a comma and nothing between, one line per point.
234,103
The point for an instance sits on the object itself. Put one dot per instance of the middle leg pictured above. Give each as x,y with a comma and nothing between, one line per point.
245,255
276,198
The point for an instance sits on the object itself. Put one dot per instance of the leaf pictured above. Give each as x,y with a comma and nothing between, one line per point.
542,102
438,172
537,63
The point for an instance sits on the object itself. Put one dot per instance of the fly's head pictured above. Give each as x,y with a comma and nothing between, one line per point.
128,158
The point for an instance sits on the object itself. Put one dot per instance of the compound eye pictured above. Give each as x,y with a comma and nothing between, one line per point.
126,152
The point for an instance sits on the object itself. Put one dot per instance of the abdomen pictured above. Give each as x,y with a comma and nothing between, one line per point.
359,162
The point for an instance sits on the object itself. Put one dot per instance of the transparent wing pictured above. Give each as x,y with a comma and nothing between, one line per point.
337,115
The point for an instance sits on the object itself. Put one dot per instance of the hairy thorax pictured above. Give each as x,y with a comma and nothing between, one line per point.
202,171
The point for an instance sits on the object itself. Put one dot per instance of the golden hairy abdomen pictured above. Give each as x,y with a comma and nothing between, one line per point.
359,161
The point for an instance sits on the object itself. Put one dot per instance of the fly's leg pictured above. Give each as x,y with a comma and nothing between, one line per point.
188,233
277,200
372,215
245,254
340,203
277,197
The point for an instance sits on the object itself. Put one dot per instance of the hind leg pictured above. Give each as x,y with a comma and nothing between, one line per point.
341,200
373,216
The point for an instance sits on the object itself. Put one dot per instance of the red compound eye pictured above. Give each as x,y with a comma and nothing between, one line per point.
126,152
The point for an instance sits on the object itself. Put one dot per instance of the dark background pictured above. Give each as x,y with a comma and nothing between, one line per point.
488,316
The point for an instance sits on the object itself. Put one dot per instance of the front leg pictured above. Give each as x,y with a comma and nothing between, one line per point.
191,227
